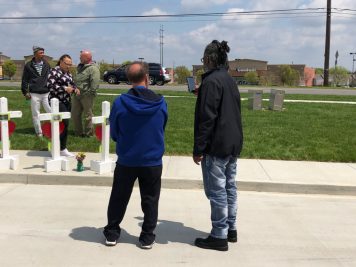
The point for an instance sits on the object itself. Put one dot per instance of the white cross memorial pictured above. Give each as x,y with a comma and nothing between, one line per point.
56,163
105,164
6,161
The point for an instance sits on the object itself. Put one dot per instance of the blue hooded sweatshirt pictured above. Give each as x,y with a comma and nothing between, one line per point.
137,122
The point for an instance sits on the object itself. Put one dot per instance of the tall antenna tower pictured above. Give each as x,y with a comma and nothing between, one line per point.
161,44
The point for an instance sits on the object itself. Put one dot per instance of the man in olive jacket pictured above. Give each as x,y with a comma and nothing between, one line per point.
87,80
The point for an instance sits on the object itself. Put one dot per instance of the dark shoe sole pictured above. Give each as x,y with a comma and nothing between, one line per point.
226,248
232,239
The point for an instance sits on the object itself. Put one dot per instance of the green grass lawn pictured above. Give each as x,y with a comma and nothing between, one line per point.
303,131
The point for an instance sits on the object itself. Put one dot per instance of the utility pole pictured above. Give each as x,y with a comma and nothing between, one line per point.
327,44
161,44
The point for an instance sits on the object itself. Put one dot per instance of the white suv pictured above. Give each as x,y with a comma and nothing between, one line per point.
166,77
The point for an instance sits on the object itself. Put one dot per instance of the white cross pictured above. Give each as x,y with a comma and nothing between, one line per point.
7,161
56,163
106,164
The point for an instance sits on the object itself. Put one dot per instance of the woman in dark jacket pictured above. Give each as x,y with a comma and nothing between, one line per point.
61,86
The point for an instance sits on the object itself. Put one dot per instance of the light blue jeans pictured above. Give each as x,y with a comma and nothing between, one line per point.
220,188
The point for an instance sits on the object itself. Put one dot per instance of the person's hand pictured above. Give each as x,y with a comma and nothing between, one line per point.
28,96
197,159
77,91
69,89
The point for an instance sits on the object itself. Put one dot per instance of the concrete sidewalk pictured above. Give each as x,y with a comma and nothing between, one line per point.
181,173
56,226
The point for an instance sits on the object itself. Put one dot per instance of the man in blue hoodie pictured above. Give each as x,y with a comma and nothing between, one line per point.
137,120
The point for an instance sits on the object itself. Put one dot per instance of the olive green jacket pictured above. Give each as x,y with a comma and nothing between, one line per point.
87,78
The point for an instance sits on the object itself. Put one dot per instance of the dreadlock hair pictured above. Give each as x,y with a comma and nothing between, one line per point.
216,52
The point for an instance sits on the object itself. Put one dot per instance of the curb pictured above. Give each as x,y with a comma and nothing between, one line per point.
176,183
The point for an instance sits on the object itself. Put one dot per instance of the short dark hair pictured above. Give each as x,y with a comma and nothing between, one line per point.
63,57
137,76
216,52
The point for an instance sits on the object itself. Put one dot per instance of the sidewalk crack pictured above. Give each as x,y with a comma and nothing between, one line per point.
264,170
9,191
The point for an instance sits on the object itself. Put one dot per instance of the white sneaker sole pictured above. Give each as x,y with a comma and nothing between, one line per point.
110,243
147,246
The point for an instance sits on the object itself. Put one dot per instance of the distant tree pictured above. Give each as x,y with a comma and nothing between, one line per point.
266,80
340,75
319,71
52,63
288,75
251,77
9,68
181,73
198,75
126,62
103,66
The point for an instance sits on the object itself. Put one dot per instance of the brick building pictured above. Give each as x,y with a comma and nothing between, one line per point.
268,74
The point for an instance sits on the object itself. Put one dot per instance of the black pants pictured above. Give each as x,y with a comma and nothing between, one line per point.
63,136
149,179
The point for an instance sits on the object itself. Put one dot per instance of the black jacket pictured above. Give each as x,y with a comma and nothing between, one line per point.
33,82
217,126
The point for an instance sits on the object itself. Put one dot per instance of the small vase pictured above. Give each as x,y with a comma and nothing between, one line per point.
80,166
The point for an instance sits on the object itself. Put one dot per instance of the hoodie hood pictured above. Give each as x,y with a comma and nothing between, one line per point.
141,106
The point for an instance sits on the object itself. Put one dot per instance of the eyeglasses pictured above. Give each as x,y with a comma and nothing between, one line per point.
202,60
68,64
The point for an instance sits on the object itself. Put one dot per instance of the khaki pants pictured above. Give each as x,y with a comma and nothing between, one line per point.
36,101
82,105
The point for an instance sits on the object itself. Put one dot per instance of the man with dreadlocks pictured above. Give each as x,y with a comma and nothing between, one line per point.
218,142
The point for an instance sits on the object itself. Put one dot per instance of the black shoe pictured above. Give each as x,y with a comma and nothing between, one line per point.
111,237
232,236
144,245
146,240
212,243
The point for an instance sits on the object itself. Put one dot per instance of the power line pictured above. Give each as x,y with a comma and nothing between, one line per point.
166,21
257,12
45,2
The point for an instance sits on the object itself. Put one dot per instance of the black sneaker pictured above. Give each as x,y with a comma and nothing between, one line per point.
144,245
111,237
212,243
232,236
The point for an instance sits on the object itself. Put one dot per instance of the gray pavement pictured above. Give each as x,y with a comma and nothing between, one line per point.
42,225
181,173
243,89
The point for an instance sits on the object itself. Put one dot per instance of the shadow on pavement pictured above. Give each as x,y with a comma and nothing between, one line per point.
176,232
95,235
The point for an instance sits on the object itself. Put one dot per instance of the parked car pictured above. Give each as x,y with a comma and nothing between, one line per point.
167,76
156,75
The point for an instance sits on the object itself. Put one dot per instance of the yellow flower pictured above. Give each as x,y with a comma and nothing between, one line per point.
80,156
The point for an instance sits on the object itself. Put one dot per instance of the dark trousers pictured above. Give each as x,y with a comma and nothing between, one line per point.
63,136
149,179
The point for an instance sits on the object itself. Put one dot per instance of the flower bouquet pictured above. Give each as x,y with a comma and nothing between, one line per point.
80,158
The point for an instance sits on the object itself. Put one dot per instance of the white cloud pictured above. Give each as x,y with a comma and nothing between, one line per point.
154,11
190,4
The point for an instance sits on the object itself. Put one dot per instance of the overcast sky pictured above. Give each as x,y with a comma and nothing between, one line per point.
278,39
